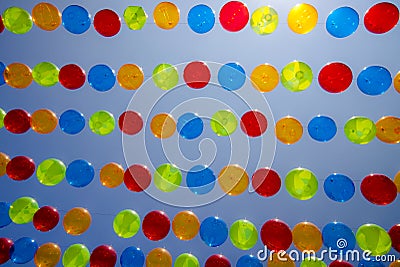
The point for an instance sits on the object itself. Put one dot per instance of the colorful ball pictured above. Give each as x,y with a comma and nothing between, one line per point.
302,18
2,66
196,74
46,218
4,216
342,22
397,181
185,225
217,260
243,234
76,255
101,77
20,168
46,16
186,260
231,76
166,15
307,237
378,189
339,187
288,130
72,122
296,76
223,122
23,250
213,231
283,260
48,254
5,246
2,115
4,160
234,16
381,17
51,172
201,18
373,238
264,20
338,236
103,256
322,128
360,130
77,221
102,122
18,75
276,235
374,80
135,17
1,25
396,82
394,234
335,77
200,179
137,178
312,262
266,182
45,73
72,76
130,76
111,175
22,210
253,123
165,76
388,129
17,121
159,257
132,257
189,126
130,122
264,78
17,20
156,225
76,19
340,263
248,261
301,183
79,173
107,23
167,178
233,180
44,121
126,224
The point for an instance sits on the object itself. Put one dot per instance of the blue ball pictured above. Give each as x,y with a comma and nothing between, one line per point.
231,76
101,78
2,68
322,128
4,216
370,262
189,126
23,250
374,80
342,22
338,236
132,257
76,19
248,261
339,187
200,179
79,173
213,231
71,122
201,19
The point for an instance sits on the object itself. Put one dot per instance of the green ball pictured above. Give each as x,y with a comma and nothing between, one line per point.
373,238
126,224
2,115
17,20
296,76
243,234
223,122
102,122
301,183
312,262
360,130
77,255
165,76
22,210
167,178
135,17
51,172
186,260
45,74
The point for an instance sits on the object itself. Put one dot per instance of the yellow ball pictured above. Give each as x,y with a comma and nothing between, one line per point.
302,18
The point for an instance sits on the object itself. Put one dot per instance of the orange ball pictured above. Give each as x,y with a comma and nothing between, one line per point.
388,129
159,257
163,125
77,221
166,15
46,16
396,82
264,78
288,130
233,180
111,175
185,225
4,160
130,76
282,261
47,255
307,236
44,121
18,75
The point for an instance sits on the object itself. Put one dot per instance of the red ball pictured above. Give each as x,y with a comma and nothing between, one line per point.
340,263
253,123
1,24
130,122
72,76
156,225
103,256
5,246
266,182
17,121
46,218
335,77
234,16
107,22
20,168
378,189
394,234
217,260
381,18
196,74
276,235
137,178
